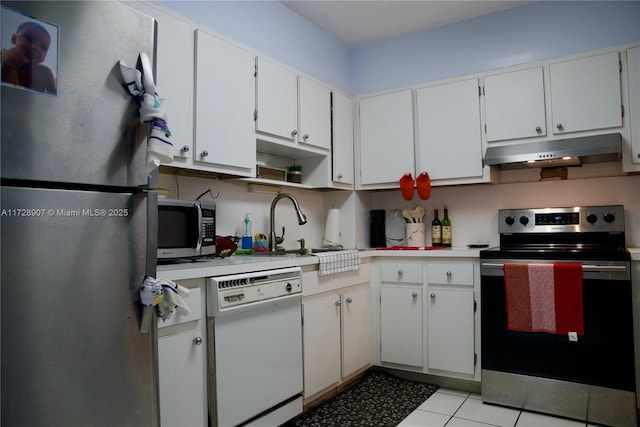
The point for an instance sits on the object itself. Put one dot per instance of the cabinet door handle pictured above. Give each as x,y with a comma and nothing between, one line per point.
349,300
433,297
340,176
449,274
400,273
305,136
414,295
197,340
205,153
294,133
538,129
560,126
185,149
338,303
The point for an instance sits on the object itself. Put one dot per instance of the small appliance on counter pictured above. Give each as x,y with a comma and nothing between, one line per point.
377,236
186,229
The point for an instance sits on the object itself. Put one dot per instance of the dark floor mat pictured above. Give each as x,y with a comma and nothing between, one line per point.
379,399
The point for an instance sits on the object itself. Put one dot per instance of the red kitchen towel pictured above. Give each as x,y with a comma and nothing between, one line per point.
544,298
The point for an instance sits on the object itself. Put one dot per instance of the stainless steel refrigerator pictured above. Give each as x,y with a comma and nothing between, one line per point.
77,222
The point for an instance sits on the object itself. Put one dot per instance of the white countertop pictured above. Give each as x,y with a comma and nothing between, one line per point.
236,264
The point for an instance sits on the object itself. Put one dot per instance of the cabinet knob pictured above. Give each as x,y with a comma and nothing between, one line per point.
414,295
294,133
433,296
305,136
205,153
400,273
349,300
185,149
338,303
340,175
560,126
197,340
449,274
538,129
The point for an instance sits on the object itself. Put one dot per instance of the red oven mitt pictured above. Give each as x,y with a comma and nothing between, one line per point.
424,186
406,186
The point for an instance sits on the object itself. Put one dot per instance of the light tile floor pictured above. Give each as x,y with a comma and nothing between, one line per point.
452,408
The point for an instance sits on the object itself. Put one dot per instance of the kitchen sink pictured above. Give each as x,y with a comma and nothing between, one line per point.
289,252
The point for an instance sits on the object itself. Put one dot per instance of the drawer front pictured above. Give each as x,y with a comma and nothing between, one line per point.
401,272
451,274
194,302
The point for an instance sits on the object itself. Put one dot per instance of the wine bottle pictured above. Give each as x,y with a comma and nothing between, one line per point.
436,230
446,229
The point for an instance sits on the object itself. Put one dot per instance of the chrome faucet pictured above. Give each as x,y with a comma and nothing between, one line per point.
274,240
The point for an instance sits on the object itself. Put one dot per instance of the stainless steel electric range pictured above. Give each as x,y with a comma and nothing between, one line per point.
530,359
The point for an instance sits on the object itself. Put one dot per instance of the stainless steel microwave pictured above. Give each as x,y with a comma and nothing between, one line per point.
186,229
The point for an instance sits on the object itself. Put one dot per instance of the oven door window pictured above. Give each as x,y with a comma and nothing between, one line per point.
177,227
602,357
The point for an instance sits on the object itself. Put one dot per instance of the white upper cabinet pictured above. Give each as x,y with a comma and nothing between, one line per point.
225,103
449,135
276,99
174,76
585,94
386,138
314,115
633,77
514,105
342,148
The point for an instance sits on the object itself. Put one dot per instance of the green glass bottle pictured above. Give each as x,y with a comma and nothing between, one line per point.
446,229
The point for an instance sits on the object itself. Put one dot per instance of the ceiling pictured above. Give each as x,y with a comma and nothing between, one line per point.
359,22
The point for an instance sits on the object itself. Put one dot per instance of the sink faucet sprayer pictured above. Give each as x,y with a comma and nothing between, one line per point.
302,219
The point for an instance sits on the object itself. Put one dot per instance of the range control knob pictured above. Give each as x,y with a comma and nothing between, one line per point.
509,220
609,218
524,220
592,218
288,288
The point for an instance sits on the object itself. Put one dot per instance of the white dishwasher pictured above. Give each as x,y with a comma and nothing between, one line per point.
255,347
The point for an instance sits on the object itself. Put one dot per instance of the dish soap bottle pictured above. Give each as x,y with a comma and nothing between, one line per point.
247,240
436,230
446,229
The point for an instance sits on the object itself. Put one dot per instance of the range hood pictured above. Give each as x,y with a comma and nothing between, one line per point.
556,153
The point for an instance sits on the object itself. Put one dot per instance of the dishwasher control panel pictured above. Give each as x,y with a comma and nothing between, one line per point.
225,292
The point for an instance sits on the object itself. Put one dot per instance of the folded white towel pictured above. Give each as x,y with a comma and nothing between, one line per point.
143,88
174,295
338,261
166,295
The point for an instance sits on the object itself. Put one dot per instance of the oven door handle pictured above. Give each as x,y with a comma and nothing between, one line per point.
585,267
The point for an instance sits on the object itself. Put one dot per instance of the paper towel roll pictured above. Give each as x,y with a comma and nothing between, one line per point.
332,228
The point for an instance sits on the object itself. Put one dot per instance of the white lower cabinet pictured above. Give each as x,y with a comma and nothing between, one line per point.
357,329
181,379
450,329
321,338
182,363
337,336
401,325
450,317
427,316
